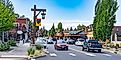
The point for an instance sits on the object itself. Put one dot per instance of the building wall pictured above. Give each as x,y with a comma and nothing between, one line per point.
116,29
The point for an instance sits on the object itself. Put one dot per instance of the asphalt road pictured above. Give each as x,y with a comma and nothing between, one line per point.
75,53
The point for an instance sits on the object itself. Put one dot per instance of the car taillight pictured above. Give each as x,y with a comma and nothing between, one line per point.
58,45
66,44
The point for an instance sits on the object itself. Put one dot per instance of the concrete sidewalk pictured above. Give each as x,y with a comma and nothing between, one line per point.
112,50
20,51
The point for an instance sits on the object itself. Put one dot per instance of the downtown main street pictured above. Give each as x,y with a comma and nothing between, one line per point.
75,53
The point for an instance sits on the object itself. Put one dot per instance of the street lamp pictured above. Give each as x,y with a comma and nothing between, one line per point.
35,17
43,15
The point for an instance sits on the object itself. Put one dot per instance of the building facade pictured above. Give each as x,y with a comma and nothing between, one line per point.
116,35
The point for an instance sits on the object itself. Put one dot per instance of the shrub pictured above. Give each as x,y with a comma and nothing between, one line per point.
31,51
39,47
4,46
12,42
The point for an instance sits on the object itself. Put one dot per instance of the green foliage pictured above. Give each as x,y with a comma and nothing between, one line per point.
81,27
39,47
52,31
4,46
12,42
104,19
31,51
59,25
7,15
71,29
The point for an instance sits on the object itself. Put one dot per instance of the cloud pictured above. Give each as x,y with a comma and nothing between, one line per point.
66,23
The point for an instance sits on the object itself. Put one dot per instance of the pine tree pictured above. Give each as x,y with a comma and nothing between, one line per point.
104,19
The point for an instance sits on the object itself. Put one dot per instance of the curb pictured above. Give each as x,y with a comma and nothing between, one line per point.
111,51
37,56
14,56
108,50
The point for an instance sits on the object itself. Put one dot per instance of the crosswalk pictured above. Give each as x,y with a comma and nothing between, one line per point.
87,54
81,52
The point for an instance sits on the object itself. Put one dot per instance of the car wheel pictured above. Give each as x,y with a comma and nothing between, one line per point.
55,48
66,48
88,50
99,50
82,49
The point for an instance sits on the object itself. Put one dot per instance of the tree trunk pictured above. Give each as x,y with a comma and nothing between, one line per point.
3,36
107,41
7,35
102,42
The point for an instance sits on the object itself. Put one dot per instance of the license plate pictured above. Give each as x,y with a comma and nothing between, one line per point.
62,46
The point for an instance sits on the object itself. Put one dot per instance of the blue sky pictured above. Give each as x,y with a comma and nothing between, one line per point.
69,12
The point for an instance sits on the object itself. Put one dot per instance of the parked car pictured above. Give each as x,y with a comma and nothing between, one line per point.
79,42
41,42
50,41
70,41
92,45
54,39
61,44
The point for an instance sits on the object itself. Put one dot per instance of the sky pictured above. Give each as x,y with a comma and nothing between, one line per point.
69,12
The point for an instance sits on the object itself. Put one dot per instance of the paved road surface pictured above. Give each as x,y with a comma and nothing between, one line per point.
75,53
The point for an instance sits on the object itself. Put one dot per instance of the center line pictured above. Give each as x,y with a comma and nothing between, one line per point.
89,54
72,54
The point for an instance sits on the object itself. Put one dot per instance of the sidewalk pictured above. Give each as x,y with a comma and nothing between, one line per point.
112,50
20,51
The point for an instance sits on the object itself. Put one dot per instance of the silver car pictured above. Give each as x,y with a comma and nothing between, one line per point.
41,42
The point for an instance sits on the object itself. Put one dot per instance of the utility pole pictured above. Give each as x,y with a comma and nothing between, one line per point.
36,27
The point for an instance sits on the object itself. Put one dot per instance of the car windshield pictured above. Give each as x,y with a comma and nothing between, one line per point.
81,40
93,41
41,42
61,41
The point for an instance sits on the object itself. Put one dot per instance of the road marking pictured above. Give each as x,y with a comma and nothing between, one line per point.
53,54
33,59
106,55
88,54
46,51
72,54
19,56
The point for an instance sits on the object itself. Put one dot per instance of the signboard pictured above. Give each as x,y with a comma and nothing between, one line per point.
38,22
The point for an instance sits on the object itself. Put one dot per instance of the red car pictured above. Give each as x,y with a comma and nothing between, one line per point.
61,44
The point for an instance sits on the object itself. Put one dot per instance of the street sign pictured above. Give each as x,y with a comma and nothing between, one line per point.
38,22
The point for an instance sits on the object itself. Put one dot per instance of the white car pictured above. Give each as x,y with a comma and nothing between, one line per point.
79,42
50,41
41,42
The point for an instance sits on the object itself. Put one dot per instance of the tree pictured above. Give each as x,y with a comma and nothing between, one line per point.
23,16
7,16
104,19
52,31
67,29
81,27
71,29
75,29
60,30
60,27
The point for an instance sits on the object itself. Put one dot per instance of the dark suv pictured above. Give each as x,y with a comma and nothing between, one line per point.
91,45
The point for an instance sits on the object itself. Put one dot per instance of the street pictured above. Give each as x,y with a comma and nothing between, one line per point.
39,30
75,53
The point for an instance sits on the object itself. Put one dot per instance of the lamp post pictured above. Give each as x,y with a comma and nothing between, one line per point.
42,11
